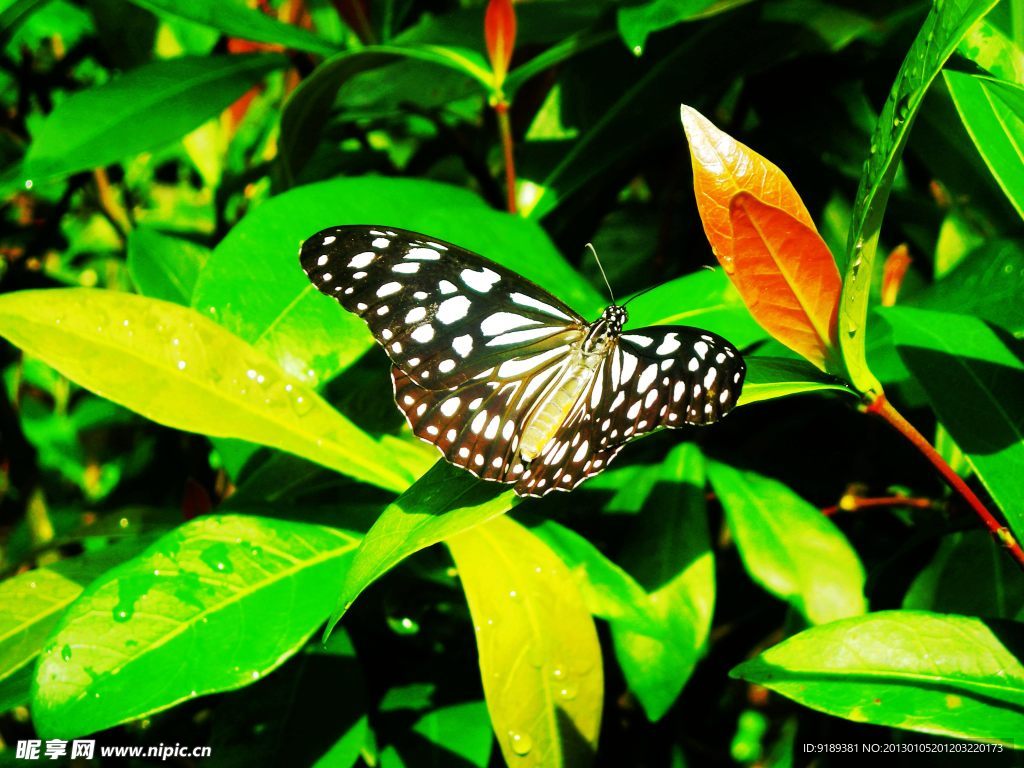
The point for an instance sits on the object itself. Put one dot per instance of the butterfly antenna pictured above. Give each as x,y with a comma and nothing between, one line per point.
594,251
637,296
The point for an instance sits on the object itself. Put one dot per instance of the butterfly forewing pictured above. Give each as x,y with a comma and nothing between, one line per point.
443,314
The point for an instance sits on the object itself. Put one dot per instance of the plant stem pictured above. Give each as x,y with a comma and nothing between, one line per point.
505,127
883,408
851,503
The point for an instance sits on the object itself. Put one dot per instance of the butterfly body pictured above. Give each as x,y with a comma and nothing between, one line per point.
506,380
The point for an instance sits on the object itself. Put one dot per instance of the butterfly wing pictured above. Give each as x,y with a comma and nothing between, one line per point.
443,314
663,376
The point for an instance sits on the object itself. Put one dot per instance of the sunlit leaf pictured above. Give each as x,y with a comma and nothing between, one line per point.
953,676
203,379
993,114
539,655
975,383
789,547
638,21
771,377
946,25
210,607
444,502
460,729
991,49
141,110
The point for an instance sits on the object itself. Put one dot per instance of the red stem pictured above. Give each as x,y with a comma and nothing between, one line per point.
883,408
854,503
505,127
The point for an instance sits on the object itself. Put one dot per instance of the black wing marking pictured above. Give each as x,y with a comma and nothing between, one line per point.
442,313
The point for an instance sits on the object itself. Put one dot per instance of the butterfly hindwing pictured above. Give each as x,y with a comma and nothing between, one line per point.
664,376
442,313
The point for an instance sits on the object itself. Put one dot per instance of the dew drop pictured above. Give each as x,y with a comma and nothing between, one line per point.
567,692
65,653
521,743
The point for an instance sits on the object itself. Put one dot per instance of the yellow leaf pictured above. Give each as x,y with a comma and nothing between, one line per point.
539,655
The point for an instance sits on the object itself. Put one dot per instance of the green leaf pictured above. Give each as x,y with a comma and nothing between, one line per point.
212,606
444,502
211,382
141,110
237,20
163,266
32,602
989,47
540,660
946,25
987,283
950,583
608,590
303,118
993,114
789,547
460,729
254,286
771,377
705,299
670,554
951,676
975,384
636,22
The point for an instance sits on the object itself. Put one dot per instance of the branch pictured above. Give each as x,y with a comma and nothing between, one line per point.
880,406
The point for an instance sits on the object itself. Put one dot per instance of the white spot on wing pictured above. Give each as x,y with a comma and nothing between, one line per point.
450,406
389,288
453,309
517,337
503,322
701,349
480,281
447,288
528,301
381,242
361,260
423,334
628,366
640,341
463,345
408,269
710,378
669,345
415,314
423,254
445,366
647,377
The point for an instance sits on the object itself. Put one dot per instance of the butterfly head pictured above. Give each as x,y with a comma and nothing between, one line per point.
615,317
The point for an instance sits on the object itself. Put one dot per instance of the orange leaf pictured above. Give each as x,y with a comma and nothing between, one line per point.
786,276
722,168
764,237
500,33
895,269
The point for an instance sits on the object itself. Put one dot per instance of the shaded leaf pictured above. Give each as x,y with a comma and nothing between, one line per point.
953,676
946,25
975,383
460,729
238,20
141,110
212,606
949,583
670,554
211,382
164,267
789,547
636,22
540,660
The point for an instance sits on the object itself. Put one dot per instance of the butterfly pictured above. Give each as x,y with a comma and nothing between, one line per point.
505,379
